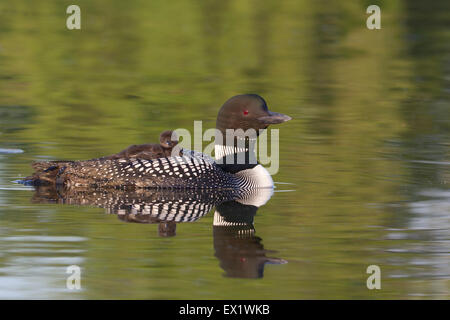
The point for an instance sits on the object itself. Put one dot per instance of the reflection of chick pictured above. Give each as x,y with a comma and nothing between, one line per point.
165,228
167,141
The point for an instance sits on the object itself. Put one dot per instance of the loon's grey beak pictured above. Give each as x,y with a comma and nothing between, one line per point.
273,118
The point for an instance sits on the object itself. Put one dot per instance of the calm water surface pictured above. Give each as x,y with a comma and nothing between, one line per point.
364,165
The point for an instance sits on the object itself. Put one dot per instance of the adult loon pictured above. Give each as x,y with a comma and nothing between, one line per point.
167,141
192,170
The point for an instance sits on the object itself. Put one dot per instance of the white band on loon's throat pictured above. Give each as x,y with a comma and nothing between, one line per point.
240,146
223,150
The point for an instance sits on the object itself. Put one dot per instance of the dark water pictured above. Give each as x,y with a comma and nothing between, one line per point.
364,165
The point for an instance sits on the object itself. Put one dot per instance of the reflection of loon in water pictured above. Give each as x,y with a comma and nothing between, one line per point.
239,251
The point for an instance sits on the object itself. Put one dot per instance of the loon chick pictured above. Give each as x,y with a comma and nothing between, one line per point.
167,141
192,170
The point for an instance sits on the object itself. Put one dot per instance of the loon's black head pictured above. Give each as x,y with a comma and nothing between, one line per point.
247,111
168,139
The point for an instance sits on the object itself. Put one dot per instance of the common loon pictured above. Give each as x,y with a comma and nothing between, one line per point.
192,170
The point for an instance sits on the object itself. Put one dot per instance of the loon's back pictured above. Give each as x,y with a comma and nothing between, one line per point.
186,172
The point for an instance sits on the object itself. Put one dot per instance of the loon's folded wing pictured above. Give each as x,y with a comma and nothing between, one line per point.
193,170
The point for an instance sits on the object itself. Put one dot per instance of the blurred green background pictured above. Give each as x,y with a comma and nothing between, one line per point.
366,156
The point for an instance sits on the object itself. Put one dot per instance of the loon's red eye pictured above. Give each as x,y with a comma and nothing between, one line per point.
245,112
